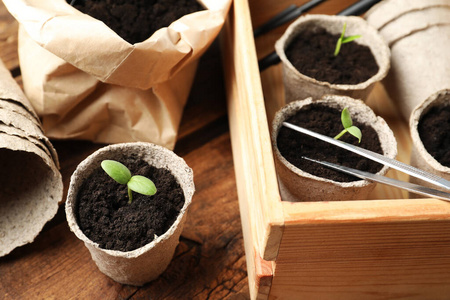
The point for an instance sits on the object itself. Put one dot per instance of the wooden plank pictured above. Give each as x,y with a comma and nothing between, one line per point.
246,219
56,266
255,170
384,260
366,211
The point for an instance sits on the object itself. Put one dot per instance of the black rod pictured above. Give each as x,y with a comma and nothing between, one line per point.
269,25
290,13
358,8
269,60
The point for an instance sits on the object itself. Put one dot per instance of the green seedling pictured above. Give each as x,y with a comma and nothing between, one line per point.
343,40
122,175
348,126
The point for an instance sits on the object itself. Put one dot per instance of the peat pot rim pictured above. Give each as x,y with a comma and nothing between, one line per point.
440,97
333,24
146,150
357,109
387,11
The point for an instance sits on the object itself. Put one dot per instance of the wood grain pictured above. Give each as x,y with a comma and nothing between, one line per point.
408,260
209,262
249,131
385,247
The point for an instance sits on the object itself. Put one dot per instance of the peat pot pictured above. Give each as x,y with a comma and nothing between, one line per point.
146,263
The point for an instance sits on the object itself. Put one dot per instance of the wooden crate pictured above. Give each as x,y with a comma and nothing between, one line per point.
386,247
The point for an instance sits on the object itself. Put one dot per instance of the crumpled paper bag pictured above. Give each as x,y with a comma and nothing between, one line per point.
86,82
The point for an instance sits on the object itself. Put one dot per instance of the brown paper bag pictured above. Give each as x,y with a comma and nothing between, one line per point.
86,82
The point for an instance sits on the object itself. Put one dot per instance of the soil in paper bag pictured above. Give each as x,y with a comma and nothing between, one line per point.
105,217
312,54
136,20
327,121
434,131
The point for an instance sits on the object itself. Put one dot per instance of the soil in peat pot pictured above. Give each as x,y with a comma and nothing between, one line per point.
312,54
434,132
105,216
327,121
136,20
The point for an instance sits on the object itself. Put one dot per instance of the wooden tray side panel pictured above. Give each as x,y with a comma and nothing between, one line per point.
249,134
364,261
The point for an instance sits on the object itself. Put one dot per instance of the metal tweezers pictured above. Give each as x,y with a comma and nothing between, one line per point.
395,164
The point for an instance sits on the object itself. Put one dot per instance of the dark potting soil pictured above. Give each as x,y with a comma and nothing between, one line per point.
434,131
136,20
326,120
312,54
105,217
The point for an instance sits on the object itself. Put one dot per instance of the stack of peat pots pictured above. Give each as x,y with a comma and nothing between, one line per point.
418,34
31,183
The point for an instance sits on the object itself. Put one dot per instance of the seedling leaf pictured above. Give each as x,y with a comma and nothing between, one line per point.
347,122
344,27
343,40
116,171
346,118
353,130
142,185
350,38
122,175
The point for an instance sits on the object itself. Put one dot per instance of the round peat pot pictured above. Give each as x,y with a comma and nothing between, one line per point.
420,156
299,185
135,267
300,86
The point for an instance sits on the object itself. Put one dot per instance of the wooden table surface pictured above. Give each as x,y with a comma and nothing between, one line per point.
209,262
